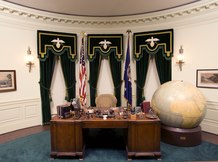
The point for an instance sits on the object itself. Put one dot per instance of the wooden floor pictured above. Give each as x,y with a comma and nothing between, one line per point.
212,138
22,133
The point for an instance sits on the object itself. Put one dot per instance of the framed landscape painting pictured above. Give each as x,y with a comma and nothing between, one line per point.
207,78
7,80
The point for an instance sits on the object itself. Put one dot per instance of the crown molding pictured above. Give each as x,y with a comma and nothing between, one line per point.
164,16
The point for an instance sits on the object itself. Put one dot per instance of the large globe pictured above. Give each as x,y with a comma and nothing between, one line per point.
179,104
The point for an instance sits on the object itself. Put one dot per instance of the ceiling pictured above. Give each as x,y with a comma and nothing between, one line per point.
101,8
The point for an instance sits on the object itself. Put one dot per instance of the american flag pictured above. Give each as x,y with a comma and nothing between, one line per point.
82,75
127,77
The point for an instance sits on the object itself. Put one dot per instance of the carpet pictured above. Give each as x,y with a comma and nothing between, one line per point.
36,148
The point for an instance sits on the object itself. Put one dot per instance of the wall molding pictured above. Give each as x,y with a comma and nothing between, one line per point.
143,19
210,122
19,114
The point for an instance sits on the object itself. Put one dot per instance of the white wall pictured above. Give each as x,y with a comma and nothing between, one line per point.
200,50
14,44
197,33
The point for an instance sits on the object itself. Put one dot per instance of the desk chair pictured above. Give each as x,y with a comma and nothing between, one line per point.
106,101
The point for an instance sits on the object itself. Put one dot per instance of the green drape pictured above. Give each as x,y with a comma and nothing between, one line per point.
68,68
141,74
93,77
159,45
163,67
46,73
54,46
115,67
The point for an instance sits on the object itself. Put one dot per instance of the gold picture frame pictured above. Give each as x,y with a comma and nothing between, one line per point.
8,80
207,78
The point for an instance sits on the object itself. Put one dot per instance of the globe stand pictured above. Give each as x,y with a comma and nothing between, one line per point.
180,136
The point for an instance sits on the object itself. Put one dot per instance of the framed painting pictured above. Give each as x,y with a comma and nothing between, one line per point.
7,80
207,78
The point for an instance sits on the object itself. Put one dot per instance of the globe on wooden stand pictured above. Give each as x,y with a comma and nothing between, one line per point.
181,107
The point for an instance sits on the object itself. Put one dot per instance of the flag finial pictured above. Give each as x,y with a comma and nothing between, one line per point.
83,34
129,31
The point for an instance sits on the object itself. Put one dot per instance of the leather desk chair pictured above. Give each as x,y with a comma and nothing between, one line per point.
105,101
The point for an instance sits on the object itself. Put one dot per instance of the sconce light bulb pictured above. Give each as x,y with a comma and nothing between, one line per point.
180,57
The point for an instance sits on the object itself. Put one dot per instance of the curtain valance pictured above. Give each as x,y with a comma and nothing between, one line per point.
57,43
105,44
153,41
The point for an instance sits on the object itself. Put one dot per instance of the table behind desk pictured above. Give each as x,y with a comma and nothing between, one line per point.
143,135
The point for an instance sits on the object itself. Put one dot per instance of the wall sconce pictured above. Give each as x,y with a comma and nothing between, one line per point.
180,58
29,59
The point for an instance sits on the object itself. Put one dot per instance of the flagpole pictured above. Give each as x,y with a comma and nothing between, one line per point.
127,75
128,35
82,72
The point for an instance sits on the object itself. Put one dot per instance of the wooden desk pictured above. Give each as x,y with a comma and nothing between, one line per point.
143,135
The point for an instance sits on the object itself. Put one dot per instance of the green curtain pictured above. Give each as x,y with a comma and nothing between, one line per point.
94,69
46,73
141,74
115,67
163,66
68,68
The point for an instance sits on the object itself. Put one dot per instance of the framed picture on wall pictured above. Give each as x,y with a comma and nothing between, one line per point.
7,80
207,78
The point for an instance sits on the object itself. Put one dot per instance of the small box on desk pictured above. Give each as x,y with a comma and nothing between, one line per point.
133,116
63,111
145,105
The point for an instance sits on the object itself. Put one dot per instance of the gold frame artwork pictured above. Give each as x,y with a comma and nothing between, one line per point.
207,78
8,80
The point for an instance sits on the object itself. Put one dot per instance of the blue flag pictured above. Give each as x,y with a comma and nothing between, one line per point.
127,78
